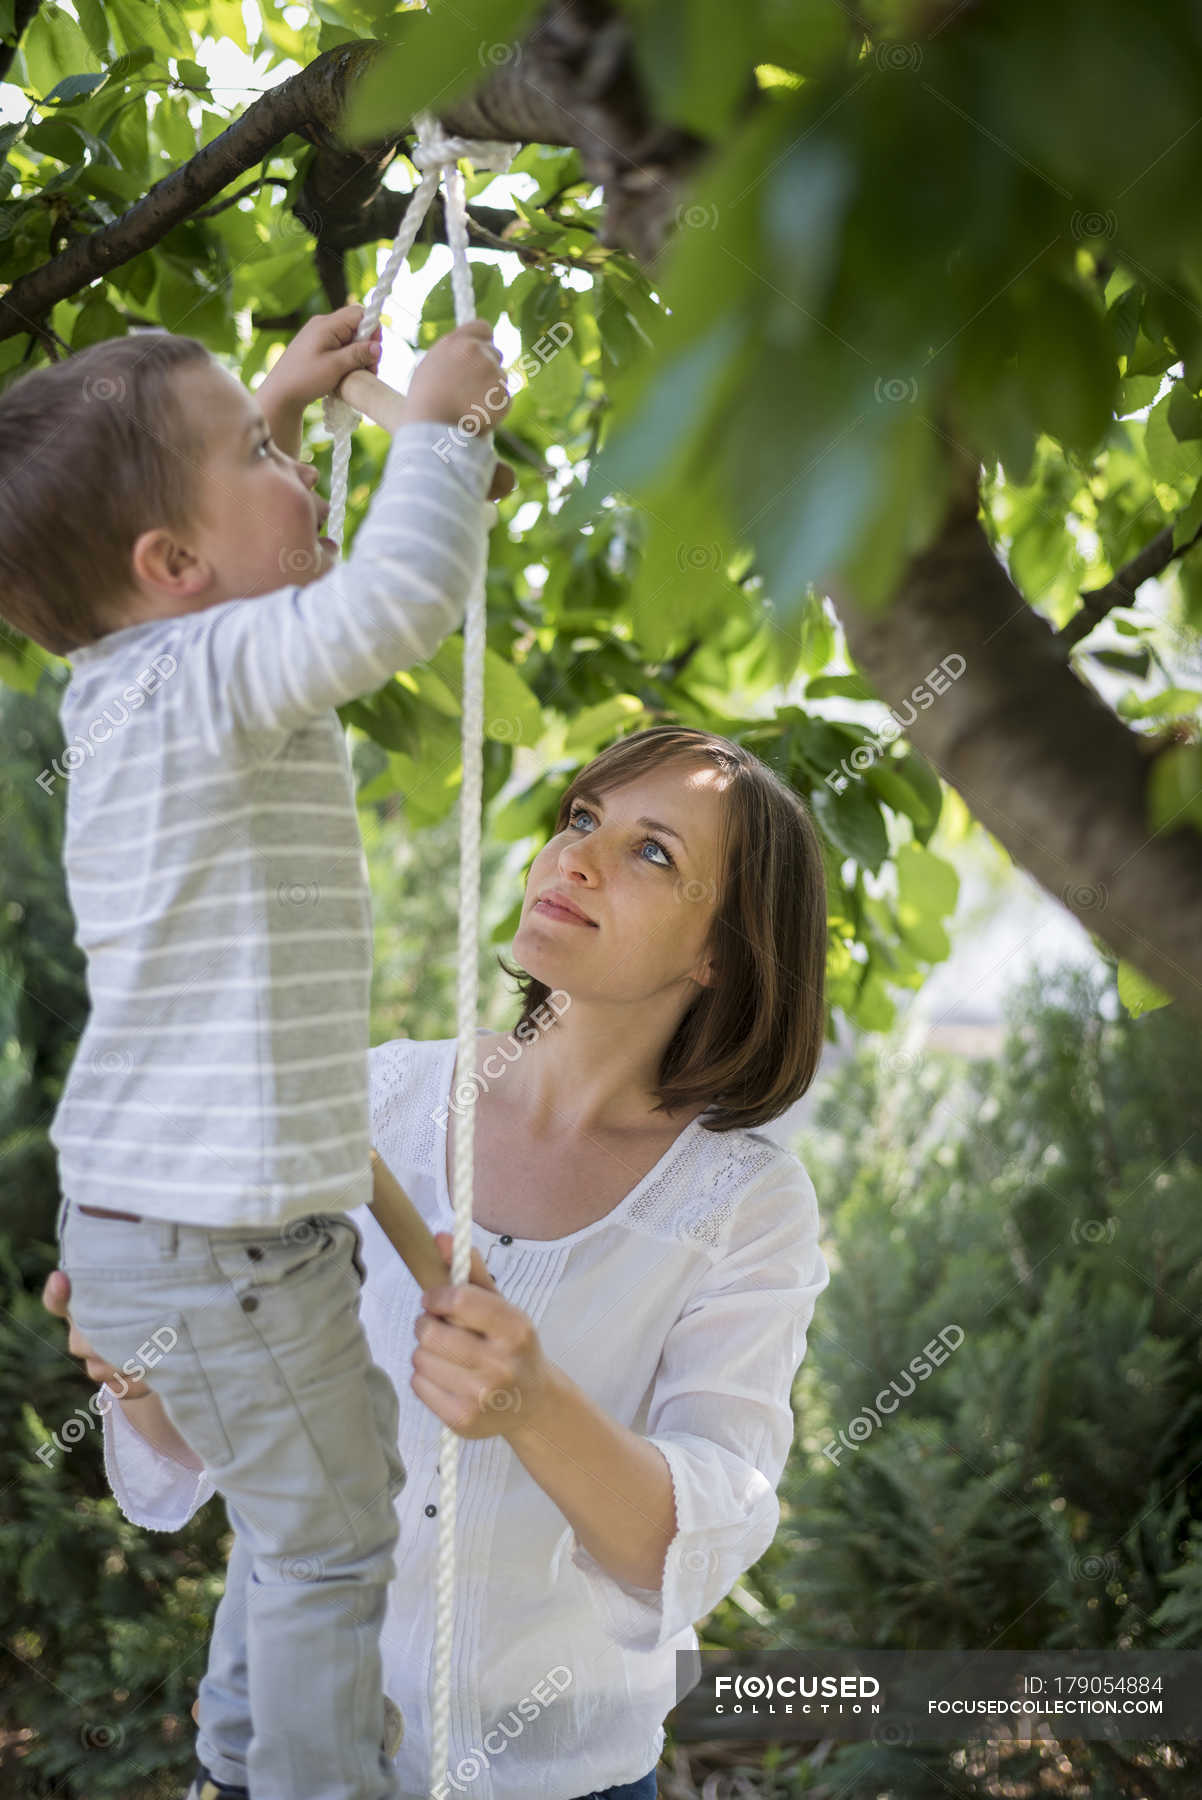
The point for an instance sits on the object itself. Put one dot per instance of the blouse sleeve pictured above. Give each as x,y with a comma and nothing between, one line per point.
721,1412
151,1489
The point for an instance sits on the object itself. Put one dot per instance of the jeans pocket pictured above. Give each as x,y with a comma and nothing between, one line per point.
190,1399
154,1346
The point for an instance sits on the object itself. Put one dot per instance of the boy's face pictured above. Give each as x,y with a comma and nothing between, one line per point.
258,520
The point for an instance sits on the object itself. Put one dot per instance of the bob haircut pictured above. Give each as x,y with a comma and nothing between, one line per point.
94,450
749,1044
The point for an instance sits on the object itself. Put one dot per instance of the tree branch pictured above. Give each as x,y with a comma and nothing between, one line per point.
575,84
242,193
310,102
1120,589
1041,761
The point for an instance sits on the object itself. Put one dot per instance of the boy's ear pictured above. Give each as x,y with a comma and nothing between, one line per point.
161,562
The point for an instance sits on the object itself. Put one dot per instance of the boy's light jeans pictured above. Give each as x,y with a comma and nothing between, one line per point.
251,1337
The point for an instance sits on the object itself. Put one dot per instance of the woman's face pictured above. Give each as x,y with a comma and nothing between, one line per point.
647,891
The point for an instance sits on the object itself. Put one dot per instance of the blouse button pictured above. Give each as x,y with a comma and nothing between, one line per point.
505,1238
248,1303
431,1510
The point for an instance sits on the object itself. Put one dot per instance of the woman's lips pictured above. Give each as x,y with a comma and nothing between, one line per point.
560,912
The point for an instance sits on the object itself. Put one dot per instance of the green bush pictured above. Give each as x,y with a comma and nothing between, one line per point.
1042,1488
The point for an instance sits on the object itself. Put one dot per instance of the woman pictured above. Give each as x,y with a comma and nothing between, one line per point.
646,1265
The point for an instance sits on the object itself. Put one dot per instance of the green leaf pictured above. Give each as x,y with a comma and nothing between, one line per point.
927,886
681,585
22,662
438,309
600,724
1187,524
555,384
855,687
1174,793
1130,662
916,770
431,689
228,22
659,428
1066,365
98,319
926,937
193,73
814,630
695,58
75,87
873,1009
154,22
852,821
1185,412
512,714
55,48
91,17
1170,460
1122,318
528,814
431,61
543,303
1137,993
1170,703
886,779
174,129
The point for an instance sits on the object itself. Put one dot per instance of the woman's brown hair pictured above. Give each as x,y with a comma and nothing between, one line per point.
749,1045
94,450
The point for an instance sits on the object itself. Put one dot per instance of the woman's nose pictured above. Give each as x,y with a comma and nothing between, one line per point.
578,857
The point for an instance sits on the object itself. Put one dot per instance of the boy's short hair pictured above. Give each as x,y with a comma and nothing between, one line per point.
94,450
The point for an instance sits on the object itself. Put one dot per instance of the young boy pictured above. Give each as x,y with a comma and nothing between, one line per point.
213,1131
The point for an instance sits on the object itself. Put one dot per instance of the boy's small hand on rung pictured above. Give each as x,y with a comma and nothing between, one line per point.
324,350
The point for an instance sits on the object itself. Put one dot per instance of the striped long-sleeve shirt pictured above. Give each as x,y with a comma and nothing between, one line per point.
217,875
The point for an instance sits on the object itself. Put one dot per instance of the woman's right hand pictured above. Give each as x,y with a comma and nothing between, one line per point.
55,1296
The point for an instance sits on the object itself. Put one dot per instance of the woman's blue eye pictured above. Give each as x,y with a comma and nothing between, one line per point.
662,848
263,443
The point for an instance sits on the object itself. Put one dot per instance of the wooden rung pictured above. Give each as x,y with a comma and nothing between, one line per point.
405,1228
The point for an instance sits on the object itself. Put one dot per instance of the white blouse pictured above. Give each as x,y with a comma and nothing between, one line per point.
683,1313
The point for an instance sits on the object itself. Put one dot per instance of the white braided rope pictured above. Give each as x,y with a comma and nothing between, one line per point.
437,154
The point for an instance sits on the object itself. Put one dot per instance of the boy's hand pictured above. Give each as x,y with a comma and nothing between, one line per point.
55,1295
322,352
459,381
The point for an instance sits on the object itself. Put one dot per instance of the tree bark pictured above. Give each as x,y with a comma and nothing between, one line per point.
1039,759
573,83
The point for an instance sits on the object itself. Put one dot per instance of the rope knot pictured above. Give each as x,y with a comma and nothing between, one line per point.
435,149
338,414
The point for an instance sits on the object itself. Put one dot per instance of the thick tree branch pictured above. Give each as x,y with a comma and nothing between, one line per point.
1120,589
1041,761
575,83
310,102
